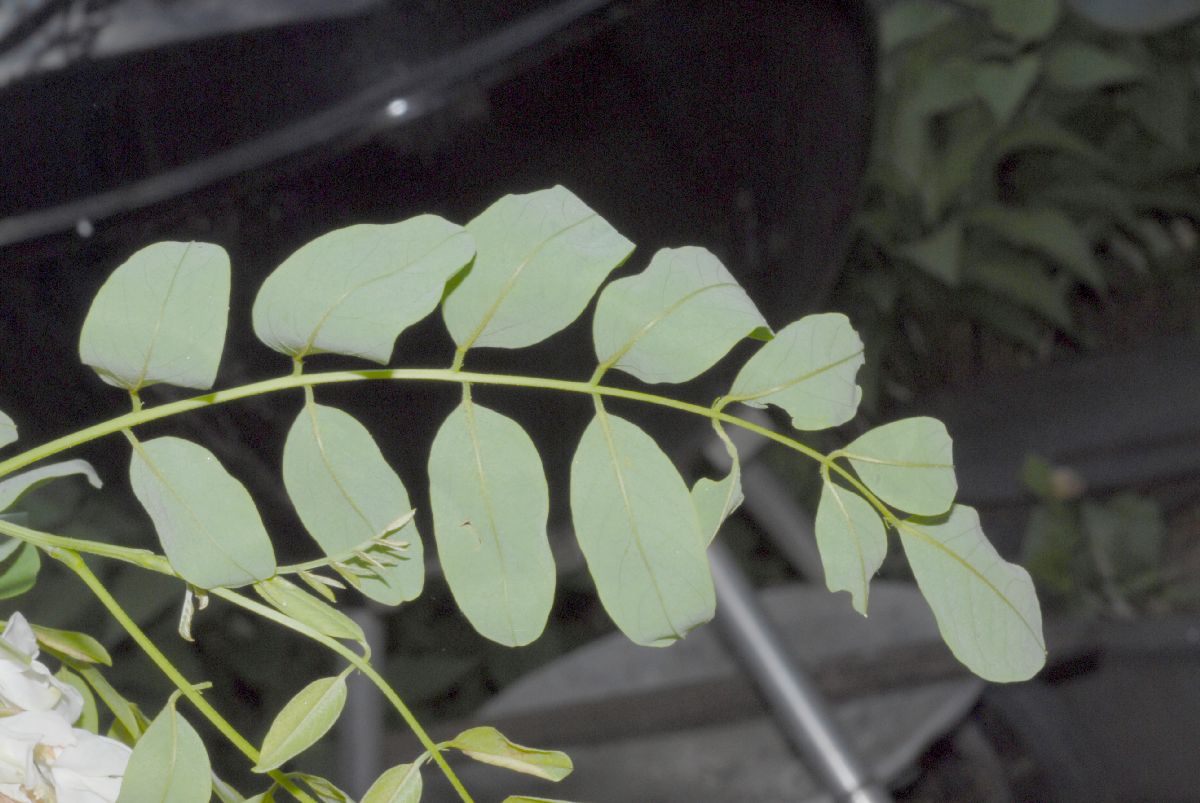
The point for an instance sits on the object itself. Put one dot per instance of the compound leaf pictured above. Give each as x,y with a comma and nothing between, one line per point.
169,762
985,607
490,506
13,488
908,463
489,746
540,258
808,370
346,495
674,320
306,718
354,290
639,531
160,317
852,542
206,521
8,430
291,600
400,784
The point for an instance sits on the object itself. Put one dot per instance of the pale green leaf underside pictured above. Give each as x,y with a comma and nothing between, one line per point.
160,317
8,430
306,718
400,784
986,608
206,521
346,494
640,533
13,488
716,500
674,320
169,763
852,542
489,746
291,600
808,369
490,504
540,258
354,290
908,463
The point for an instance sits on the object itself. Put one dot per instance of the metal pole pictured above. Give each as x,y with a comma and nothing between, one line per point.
793,700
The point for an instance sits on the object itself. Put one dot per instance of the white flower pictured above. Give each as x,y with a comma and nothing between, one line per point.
25,683
42,759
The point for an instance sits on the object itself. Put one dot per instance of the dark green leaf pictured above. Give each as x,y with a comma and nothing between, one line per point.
907,20
1083,67
1046,231
938,254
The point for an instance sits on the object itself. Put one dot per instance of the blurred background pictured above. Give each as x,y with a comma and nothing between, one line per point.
1001,194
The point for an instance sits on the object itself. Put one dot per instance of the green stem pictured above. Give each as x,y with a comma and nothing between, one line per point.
76,564
361,665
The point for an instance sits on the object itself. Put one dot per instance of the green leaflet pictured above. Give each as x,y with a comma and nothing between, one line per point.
905,21
1046,231
490,505
808,370
400,784
1083,67
354,290
160,317
169,763
13,488
908,463
89,717
489,746
291,600
716,500
324,789
1003,86
306,718
69,644
208,525
674,320
985,607
851,540
540,258
19,568
1023,20
346,494
8,430
639,531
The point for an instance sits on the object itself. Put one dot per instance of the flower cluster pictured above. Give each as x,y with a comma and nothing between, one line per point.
43,759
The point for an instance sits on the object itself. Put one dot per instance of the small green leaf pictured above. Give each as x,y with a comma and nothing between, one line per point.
346,494
1044,230
305,719
489,746
325,790
354,290
540,258
639,531
716,500
1024,281
674,320
160,317
1083,67
89,718
852,542
908,463
1023,20
207,523
939,254
490,504
169,762
13,488
808,370
909,20
985,607
19,570
8,430
69,644
129,722
400,784
293,601
1004,87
